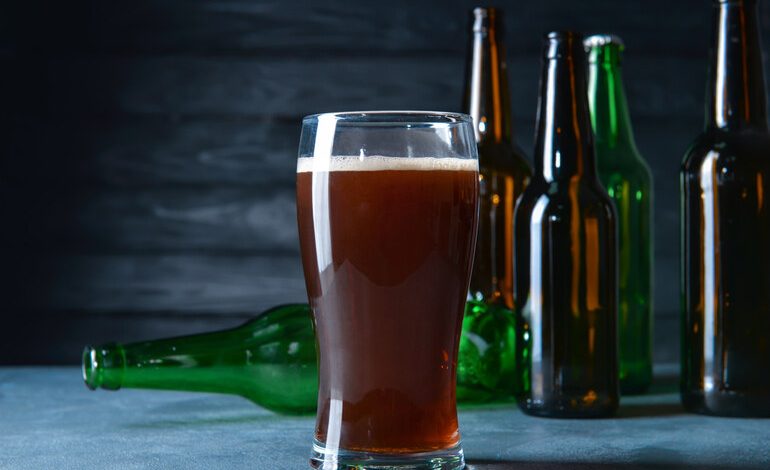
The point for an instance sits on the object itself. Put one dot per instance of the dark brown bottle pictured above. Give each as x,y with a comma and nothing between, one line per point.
725,179
503,169
565,272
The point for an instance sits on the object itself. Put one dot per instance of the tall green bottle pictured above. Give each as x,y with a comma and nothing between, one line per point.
628,181
271,360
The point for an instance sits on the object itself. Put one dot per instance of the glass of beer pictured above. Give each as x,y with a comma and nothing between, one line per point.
387,209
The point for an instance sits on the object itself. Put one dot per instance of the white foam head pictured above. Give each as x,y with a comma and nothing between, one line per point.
380,163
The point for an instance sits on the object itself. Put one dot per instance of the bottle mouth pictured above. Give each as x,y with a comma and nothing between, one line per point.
564,35
102,367
90,367
600,40
485,18
604,49
563,44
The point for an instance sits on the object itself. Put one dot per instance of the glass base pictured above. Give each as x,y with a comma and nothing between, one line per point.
340,459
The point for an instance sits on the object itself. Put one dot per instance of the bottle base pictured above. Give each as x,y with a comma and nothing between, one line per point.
634,388
726,403
323,458
635,378
569,408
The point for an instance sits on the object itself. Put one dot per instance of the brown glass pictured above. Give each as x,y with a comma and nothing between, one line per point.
503,169
388,337
725,179
565,268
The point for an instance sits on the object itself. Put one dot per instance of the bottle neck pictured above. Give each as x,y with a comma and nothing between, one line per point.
564,142
736,79
486,96
191,363
610,119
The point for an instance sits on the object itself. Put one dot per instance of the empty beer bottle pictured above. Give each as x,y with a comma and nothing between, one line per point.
725,177
565,274
271,360
486,364
503,169
628,181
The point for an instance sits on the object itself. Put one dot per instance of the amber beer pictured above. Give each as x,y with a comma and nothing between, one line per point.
386,248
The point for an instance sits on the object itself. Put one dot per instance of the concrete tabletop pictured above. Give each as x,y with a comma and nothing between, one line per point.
49,420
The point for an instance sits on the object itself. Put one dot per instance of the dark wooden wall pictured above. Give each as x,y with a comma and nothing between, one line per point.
148,147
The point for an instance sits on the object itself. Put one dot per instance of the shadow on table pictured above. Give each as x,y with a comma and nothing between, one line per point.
649,410
202,422
475,464
665,382
626,410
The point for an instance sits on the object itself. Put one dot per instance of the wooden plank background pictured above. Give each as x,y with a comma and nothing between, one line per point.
148,147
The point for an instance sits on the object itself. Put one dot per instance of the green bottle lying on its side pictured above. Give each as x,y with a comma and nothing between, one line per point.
271,360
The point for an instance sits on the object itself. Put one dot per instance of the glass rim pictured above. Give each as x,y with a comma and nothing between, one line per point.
391,118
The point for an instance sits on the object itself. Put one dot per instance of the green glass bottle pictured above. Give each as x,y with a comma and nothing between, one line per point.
629,184
271,360
486,369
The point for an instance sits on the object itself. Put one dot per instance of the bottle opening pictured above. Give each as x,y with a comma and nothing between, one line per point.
558,34
103,366
563,44
604,49
600,40
90,368
485,19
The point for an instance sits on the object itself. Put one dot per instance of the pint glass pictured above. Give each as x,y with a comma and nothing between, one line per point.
387,210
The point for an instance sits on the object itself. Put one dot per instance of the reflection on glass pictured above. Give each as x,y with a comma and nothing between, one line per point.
503,169
391,200
628,181
565,269
726,229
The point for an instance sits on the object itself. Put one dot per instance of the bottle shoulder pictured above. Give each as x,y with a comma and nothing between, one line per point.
744,149
505,158
635,173
561,195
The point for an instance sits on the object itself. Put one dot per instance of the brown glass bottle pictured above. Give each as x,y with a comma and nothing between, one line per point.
565,269
725,179
503,169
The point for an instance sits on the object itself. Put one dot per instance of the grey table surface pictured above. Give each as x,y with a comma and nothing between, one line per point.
49,420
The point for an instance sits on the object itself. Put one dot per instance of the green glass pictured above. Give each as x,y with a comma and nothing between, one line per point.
486,369
271,360
629,184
